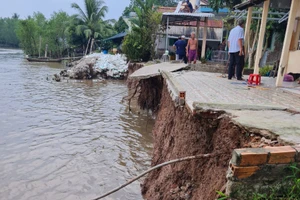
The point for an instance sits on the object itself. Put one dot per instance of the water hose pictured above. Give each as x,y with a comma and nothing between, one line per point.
156,167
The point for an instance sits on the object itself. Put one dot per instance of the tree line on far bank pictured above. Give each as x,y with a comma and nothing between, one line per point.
63,34
8,26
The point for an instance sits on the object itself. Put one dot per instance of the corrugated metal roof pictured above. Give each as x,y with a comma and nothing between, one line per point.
247,4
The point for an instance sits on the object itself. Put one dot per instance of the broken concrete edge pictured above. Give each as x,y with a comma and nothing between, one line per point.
174,87
153,70
140,77
198,107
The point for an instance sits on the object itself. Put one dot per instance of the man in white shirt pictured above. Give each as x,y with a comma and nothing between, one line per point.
236,50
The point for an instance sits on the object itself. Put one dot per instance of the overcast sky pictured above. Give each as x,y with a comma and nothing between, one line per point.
47,7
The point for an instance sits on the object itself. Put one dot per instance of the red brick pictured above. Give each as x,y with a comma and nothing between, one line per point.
249,157
243,172
281,155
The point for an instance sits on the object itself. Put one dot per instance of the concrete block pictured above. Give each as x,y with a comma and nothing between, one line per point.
249,157
281,155
243,172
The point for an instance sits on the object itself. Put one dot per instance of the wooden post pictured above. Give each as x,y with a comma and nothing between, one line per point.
294,44
87,47
197,34
167,34
204,39
261,38
92,44
247,30
287,42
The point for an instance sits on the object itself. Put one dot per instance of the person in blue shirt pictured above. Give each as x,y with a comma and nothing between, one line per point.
190,6
181,49
175,47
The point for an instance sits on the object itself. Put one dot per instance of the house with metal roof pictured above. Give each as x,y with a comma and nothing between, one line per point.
290,56
209,29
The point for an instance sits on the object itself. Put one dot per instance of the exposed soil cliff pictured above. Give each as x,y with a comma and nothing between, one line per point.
178,134
145,93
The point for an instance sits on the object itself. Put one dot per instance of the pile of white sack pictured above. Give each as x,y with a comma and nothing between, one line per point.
114,65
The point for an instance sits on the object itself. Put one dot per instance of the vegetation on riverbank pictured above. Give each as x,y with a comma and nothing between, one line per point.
8,37
63,34
139,44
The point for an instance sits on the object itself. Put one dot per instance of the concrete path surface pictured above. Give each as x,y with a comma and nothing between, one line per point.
211,88
262,107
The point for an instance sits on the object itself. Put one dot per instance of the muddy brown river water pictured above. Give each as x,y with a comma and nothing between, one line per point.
68,140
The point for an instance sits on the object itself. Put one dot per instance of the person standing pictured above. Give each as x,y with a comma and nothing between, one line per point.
180,49
190,6
176,47
182,53
236,50
191,48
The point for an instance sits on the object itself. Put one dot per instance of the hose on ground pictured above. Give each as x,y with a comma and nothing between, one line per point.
156,167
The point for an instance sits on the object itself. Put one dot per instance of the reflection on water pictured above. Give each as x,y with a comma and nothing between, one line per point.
64,140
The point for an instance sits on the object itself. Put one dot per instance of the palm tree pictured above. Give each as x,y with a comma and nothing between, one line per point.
90,21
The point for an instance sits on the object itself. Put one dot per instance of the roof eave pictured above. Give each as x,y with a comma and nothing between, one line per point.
247,4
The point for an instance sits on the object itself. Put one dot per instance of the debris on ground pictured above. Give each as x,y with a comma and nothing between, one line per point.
98,65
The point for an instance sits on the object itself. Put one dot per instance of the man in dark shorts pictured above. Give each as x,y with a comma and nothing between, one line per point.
176,48
236,50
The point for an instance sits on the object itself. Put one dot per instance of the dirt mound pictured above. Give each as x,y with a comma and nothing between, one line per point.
179,134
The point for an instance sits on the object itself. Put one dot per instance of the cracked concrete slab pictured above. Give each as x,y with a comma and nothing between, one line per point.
263,107
155,70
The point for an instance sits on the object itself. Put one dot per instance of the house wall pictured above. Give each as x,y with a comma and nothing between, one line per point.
294,60
161,43
212,33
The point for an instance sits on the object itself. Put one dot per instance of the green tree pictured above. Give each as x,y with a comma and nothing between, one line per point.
27,33
217,4
8,37
56,34
139,44
36,32
120,26
91,23
166,2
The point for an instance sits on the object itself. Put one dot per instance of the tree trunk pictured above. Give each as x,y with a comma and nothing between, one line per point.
92,44
87,47
252,51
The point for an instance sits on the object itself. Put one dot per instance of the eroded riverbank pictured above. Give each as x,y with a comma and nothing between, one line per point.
198,128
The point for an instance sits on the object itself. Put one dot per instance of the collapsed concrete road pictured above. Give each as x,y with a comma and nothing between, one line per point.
198,113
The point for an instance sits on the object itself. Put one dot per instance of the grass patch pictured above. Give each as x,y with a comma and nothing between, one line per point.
289,189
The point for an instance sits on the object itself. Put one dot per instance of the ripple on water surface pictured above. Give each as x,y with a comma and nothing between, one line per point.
66,140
